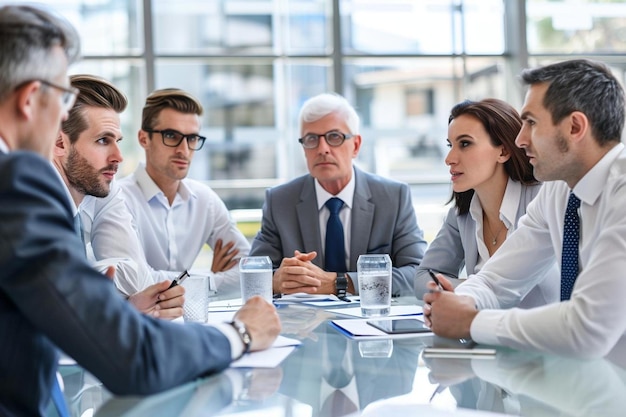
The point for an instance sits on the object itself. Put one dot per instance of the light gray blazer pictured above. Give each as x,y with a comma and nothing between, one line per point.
455,247
383,221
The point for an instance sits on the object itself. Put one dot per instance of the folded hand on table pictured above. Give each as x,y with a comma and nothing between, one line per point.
299,274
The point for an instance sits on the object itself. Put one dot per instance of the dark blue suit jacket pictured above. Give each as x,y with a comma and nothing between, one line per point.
51,298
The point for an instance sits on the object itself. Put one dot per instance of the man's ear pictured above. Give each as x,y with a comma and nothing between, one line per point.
579,125
356,139
142,137
26,99
61,145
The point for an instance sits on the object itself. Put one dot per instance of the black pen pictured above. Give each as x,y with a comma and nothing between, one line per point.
434,277
179,279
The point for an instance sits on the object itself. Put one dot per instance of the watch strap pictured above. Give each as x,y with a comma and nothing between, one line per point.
243,333
341,284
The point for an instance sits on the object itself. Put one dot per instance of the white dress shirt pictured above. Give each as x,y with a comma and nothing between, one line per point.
549,289
593,321
173,236
507,214
111,239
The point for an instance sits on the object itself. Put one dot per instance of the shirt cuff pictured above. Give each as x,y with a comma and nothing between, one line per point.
236,345
484,327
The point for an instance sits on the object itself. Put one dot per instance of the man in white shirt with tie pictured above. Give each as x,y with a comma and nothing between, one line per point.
176,216
573,118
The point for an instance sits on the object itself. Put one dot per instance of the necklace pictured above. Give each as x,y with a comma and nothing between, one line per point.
494,235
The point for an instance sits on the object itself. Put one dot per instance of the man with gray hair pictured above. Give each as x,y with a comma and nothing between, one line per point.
376,213
50,298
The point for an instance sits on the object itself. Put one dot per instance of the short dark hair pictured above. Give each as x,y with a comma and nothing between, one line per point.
92,92
585,86
168,98
502,123
27,37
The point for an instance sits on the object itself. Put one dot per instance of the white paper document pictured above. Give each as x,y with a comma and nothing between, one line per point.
225,305
317,300
269,358
394,311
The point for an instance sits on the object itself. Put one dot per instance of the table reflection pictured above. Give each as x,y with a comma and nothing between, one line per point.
533,384
331,375
338,375
232,391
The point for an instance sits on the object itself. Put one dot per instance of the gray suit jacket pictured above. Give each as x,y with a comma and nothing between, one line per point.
383,221
455,247
51,298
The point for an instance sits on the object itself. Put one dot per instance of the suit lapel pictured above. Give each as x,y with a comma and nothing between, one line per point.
308,220
467,231
362,218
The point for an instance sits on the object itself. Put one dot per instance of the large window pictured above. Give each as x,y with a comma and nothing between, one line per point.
403,63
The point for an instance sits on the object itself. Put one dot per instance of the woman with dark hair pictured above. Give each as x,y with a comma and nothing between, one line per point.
492,183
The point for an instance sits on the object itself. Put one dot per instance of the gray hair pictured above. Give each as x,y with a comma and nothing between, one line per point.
27,36
324,104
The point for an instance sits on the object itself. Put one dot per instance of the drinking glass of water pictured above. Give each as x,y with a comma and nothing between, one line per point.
196,307
255,273
374,271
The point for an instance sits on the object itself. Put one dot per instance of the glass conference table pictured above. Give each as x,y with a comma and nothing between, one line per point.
330,374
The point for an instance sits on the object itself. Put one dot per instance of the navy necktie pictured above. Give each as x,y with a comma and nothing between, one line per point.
335,256
569,255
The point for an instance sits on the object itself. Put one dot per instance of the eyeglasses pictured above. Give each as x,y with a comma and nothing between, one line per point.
173,138
333,138
68,96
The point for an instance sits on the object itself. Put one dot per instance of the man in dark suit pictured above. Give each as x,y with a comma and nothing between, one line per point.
49,296
377,215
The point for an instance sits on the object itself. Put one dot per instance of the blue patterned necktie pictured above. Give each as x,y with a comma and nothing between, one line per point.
571,238
58,400
335,256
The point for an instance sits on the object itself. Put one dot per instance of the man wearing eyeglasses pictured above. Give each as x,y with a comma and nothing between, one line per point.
176,216
87,155
50,297
376,214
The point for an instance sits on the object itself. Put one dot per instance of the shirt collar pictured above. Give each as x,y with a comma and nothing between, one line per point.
592,184
67,192
4,148
150,189
346,195
510,203
508,208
